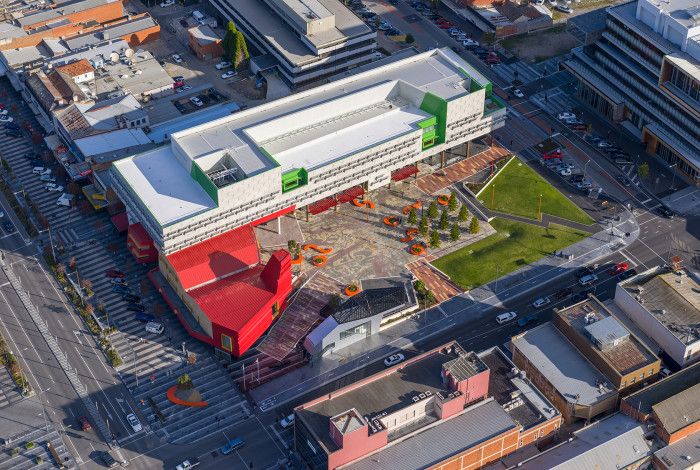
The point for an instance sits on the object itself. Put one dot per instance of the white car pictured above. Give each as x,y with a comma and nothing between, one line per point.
564,9
38,170
134,422
176,58
223,65
183,88
518,93
566,115
154,327
565,172
505,317
228,74
588,279
541,302
287,421
603,144
47,178
53,188
394,359
6,119
470,42
196,101
188,464
167,3
583,185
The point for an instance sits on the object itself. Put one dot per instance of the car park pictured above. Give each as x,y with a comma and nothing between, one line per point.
231,445
541,302
153,327
527,319
588,279
505,317
144,317
134,422
84,423
394,359
287,421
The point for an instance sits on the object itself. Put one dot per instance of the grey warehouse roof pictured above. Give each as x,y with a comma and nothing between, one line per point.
680,410
681,454
378,296
562,365
477,424
644,399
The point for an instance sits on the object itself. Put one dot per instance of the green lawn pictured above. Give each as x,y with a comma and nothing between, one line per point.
517,190
513,246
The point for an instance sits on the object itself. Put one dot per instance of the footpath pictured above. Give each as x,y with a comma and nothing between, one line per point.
457,311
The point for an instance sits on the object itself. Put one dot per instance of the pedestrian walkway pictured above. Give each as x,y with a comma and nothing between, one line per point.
39,457
516,71
554,101
435,281
9,393
434,182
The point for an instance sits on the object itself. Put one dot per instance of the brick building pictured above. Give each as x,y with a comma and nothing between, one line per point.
204,42
602,339
439,410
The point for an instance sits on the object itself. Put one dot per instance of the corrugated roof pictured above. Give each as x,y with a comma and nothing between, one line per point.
609,444
680,410
216,258
681,454
450,437
79,67
644,399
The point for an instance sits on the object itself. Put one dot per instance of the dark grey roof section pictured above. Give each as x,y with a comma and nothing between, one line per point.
465,366
591,21
111,32
609,444
477,424
680,410
657,392
381,295
681,454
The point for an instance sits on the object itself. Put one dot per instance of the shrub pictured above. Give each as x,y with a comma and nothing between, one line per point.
30,445
184,381
14,452
412,217
444,220
474,225
463,214
39,460
114,357
429,298
432,210
454,232
410,39
419,286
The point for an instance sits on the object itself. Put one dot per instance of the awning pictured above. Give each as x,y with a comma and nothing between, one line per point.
403,173
322,205
350,194
121,222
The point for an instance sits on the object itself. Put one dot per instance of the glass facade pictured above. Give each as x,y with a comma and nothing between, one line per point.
687,84
365,329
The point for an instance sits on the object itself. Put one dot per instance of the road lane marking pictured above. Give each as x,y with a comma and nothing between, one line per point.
644,202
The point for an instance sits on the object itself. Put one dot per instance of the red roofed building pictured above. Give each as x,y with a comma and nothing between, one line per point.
231,295
140,244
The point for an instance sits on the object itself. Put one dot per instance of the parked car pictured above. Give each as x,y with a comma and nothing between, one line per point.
188,464
84,423
118,281
588,279
136,307
134,422
53,188
13,133
493,59
229,74
564,9
505,317
153,327
6,119
565,172
541,302
107,459
231,445
577,178
665,211
223,65
114,273
604,144
196,101
566,115
518,93
38,170
12,126
527,319
8,226
584,185
470,43
176,58
553,154
287,421
618,268
585,271
183,88
627,274
394,359
167,3
47,178
144,317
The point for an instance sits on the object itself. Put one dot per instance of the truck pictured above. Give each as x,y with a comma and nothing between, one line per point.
188,464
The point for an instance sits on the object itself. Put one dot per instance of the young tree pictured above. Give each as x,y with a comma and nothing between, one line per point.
643,170
410,39
435,239
454,232
228,43
72,263
240,50
86,284
419,286
474,225
423,227
444,220
452,202
412,217
429,298
432,210
463,214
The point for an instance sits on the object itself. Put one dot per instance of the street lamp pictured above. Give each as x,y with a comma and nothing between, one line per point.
539,209
53,253
673,180
584,167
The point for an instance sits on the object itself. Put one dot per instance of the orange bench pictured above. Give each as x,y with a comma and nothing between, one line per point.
310,246
415,205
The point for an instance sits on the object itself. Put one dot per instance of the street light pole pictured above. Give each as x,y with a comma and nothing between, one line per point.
539,209
673,180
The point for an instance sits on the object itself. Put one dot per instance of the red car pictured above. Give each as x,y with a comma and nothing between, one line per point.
553,154
444,25
493,59
619,268
115,273
84,423
579,127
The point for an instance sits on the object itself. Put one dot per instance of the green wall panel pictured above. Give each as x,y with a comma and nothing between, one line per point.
198,175
437,107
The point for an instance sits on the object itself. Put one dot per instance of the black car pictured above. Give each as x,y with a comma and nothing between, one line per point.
183,23
11,125
8,226
627,274
562,293
121,290
107,459
136,307
584,272
665,211
577,178
131,298
13,133
623,180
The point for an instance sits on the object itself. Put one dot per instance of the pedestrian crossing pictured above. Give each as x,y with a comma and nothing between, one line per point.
516,71
551,65
9,394
39,457
554,101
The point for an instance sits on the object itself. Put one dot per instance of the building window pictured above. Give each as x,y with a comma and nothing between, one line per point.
520,443
359,330
641,377
633,380
624,383
226,342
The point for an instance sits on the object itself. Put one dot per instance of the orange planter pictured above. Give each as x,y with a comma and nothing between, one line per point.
357,202
171,396
319,260
415,205
391,221
350,292
443,199
417,249
369,204
297,260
